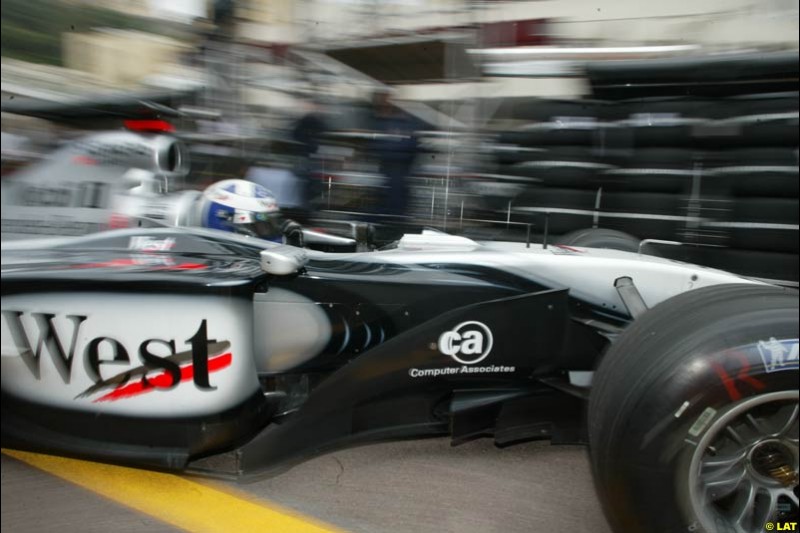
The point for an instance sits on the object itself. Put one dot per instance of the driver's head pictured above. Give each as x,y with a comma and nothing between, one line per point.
241,206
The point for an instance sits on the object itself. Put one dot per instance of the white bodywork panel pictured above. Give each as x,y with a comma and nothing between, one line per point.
588,273
291,329
127,321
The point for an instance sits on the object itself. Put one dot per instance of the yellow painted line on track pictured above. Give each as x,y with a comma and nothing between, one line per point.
175,500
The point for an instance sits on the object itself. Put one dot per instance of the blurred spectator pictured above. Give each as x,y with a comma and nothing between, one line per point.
223,14
307,133
395,147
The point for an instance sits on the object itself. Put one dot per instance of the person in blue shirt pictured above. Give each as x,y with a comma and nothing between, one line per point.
395,148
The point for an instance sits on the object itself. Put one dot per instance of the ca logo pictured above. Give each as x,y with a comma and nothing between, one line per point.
468,343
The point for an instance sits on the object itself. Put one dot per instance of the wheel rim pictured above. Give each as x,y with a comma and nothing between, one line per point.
744,471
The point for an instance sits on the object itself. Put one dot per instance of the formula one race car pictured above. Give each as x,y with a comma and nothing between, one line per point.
209,352
124,179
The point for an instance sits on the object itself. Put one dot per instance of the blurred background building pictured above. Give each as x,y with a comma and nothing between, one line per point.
435,50
120,57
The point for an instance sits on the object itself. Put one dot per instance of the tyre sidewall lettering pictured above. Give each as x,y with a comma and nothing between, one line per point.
664,451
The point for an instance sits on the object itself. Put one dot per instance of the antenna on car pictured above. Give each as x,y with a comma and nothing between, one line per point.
546,229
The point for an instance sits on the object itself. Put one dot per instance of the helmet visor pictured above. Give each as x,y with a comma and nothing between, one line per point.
262,225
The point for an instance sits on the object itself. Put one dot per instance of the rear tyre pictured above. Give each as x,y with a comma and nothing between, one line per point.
601,238
693,418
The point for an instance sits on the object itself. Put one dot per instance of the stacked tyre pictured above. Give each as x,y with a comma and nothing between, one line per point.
717,174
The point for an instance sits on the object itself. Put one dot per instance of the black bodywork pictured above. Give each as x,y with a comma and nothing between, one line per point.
359,387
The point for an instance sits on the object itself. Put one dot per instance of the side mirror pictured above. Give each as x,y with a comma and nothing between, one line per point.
283,260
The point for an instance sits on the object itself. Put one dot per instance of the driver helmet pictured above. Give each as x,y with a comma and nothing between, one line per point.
244,207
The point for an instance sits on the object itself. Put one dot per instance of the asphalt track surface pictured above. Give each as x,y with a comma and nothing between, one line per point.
408,486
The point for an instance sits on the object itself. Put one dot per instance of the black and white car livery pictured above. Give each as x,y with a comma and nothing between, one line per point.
213,353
